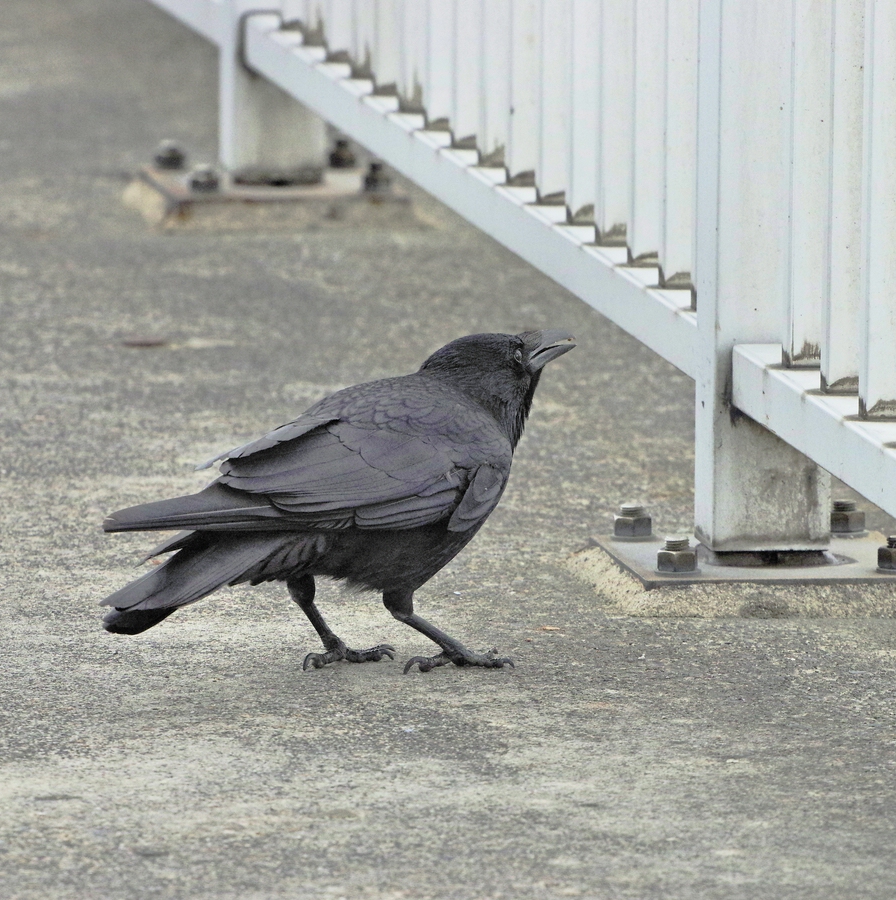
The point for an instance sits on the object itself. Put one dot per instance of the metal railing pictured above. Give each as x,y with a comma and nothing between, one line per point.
714,176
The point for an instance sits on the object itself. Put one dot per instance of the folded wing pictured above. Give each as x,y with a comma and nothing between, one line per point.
333,475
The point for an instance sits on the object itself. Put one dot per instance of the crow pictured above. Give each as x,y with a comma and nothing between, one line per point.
379,485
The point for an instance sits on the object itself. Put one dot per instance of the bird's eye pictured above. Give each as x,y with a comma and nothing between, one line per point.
518,355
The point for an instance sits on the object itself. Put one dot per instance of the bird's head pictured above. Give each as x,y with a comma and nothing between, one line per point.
500,371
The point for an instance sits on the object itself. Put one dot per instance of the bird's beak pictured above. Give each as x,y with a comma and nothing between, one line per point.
543,346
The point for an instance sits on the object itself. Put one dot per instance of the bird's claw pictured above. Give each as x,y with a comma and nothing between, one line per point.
373,654
465,658
426,663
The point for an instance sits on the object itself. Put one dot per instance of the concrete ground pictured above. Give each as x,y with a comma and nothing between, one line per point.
623,757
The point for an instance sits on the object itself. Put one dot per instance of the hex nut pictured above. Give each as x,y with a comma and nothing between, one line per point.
341,156
377,180
632,521
169,155
204,179
846,519
886,556
676,556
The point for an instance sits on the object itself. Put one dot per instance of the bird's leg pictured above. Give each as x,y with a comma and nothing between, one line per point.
301,589
401,605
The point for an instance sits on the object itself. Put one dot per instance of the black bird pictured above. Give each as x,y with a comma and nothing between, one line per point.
380,485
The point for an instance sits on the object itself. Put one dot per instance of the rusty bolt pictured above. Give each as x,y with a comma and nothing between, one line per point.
204,179
886,556
342,156
846,519
632,521
169,155
677,555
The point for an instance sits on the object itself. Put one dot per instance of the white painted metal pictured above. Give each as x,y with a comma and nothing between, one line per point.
339,21
790,403
677,244
662,320
810,179
494,101
363,34
260,125
438,95
841,309
413,49
386,62
616,119
525,69
752,490
877,371
466,117
648,166
585,59
555,97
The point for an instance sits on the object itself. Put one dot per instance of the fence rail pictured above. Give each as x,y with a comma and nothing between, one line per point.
706,173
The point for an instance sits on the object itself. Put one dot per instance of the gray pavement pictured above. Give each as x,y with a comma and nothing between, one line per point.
625,757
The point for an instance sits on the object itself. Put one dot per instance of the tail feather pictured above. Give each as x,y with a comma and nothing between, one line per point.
203,564
123,621
215,506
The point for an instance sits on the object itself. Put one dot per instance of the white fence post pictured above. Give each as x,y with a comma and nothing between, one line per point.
841,309
616,121
260,125
752,490
645,221
525,68
877,373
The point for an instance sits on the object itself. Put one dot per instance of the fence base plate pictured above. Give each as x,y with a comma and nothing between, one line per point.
856,563
165,197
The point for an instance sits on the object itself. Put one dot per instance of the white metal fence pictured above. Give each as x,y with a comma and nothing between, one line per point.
715,176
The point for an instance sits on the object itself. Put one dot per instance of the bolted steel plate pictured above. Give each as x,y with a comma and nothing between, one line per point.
846,561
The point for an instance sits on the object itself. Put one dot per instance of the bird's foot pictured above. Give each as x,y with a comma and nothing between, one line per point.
460,657
340,651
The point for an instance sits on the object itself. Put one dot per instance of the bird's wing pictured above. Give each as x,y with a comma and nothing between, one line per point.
342,474
480,498
387,459
286,432
390,455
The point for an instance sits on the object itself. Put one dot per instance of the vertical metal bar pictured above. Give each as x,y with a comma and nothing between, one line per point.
810,180
843,294
413,55
616,121
495,87
465,119
439,87
877,371
363,36
752,491
260,125
648,167
585,24
525,64
294,10
555,96
338,26
677,245
387,61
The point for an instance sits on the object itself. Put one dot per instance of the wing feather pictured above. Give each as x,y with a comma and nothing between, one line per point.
379,458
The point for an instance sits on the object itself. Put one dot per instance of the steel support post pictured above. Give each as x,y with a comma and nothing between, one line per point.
260,125
752,491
